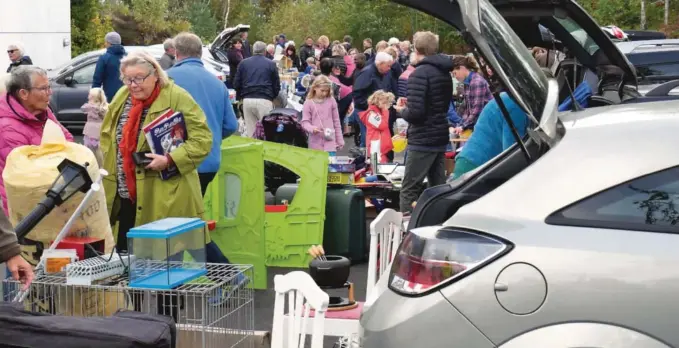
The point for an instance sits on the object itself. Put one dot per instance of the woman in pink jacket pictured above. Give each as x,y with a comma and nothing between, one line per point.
24,110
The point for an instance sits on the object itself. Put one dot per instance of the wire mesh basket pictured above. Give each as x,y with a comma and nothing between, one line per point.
216,310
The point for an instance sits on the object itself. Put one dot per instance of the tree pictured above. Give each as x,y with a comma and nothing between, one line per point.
88,26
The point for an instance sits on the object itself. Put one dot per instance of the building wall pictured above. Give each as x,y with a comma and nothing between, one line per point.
42,27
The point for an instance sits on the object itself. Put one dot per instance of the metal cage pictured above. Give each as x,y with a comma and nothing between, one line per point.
216,310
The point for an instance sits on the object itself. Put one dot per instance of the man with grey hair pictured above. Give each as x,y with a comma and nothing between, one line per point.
17,57
257,84
212,96
168,58
374,77
107,71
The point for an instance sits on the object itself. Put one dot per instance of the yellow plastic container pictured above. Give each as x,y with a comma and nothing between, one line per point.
400,143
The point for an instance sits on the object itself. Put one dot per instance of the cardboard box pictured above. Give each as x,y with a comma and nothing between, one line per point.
340,178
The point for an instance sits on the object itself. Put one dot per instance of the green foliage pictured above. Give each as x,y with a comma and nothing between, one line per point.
377,19
144,22
203,23
88,26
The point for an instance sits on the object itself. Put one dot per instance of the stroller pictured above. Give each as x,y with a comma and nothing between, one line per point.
281,126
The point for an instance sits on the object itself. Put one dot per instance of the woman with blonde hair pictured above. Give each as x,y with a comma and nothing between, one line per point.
320,117
135,192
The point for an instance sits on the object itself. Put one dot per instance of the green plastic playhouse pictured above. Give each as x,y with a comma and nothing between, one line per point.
245,231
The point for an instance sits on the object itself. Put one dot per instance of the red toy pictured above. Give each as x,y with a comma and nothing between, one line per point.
81,248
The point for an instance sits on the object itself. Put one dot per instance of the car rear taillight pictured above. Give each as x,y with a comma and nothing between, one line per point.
430,257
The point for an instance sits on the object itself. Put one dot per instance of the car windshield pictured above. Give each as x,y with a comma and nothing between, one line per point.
521,70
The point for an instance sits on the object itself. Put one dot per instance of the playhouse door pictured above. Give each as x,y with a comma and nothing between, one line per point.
237,204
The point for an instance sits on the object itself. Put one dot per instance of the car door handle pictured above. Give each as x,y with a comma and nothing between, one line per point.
501,287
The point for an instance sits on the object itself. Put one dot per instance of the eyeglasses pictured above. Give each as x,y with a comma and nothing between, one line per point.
136,80
42,89
11,51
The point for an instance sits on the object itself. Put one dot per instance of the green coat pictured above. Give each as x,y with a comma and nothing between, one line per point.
179,196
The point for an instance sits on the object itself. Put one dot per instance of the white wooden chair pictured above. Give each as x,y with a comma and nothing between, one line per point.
385,232
303,297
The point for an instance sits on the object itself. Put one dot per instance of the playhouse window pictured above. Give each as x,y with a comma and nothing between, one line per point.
232,195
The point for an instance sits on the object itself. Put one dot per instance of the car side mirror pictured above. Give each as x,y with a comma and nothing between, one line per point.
69,81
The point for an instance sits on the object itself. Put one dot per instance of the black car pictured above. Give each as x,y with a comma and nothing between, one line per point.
656,62
71,83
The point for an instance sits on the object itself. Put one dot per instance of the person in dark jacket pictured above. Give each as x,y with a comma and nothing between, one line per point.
17,57
372,78
257,83
306,51
403,79
247,52
107,71
169,57
291,53
426,111
235,56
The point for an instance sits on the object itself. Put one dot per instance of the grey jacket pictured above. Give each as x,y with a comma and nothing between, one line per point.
166,61
9,247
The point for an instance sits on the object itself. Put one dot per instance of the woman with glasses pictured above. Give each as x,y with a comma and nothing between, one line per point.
135,192
24,110
17,57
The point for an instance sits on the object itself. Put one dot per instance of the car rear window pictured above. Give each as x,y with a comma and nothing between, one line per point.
648,203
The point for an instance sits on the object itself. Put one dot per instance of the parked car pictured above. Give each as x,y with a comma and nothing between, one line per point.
72,81
656,62
220,45
563,240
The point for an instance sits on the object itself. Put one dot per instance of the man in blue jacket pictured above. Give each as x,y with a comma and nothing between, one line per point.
212,96
107,72
257,84
210,93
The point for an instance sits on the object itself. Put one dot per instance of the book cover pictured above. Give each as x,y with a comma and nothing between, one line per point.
165,136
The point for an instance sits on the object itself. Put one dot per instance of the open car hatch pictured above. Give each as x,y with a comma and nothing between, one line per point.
485,28
223,41
572,26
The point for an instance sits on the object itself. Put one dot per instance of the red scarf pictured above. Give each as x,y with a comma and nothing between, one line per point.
128,144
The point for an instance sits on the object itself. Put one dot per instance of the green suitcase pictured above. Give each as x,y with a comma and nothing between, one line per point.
344,230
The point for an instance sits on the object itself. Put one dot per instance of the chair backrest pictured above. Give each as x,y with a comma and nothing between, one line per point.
303,296
385,231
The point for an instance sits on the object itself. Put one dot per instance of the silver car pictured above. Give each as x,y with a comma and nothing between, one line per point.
565,240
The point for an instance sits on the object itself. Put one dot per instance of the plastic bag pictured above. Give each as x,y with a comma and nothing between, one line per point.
400,127
28,175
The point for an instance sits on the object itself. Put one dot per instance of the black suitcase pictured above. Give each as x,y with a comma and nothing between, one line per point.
23,329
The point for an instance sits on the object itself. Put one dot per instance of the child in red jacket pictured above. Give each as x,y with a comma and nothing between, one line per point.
376,120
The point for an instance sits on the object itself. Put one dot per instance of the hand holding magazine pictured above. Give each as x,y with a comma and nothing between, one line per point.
164,135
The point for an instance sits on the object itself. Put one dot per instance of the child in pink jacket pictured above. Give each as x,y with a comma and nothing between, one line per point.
320,117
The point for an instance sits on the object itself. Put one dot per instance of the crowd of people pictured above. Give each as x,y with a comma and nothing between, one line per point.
438,96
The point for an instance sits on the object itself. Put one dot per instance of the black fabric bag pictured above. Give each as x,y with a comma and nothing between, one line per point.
23,329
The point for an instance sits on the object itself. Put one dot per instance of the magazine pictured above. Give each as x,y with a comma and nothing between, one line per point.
165,136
